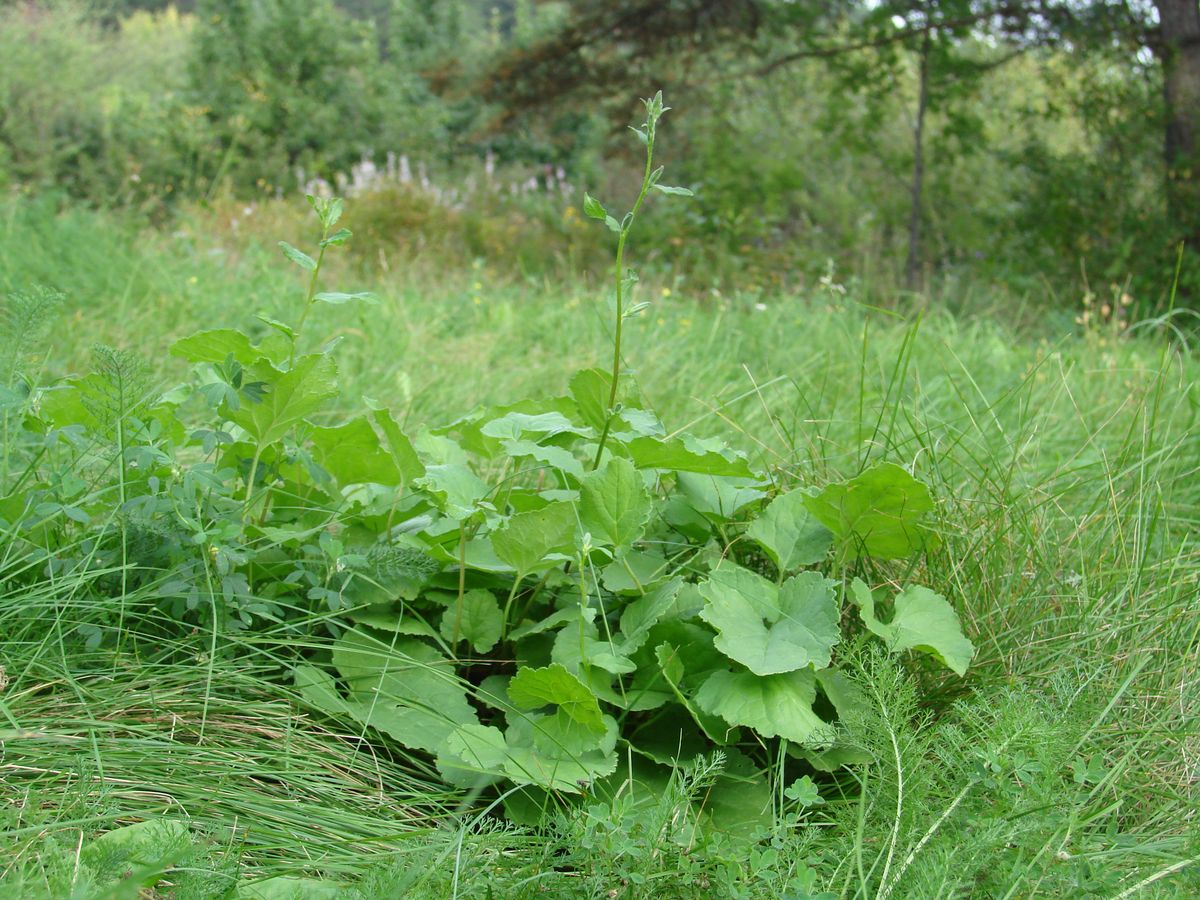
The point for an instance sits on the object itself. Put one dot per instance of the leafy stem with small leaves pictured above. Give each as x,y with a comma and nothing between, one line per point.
625,280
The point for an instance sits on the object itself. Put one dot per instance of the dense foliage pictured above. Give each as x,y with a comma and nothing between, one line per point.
659,592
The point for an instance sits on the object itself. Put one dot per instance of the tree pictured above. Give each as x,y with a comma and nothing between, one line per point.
1178,49
610,48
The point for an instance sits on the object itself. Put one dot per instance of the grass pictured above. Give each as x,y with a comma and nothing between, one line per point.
1066,468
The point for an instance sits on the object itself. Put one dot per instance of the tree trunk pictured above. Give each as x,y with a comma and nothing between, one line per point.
912,268
1178,49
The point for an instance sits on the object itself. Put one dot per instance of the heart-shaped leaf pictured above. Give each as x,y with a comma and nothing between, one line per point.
771,629
773,705
554,685
922,620
877,513
614,504
791,534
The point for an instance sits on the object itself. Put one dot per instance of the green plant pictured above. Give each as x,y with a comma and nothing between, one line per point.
652,598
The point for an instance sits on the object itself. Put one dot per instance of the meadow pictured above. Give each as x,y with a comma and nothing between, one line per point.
152,749
408,488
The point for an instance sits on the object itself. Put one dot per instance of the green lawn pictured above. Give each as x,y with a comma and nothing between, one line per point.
1065,468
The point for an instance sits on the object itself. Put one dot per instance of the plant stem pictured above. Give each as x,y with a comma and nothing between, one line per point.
620,268
308,298
618,274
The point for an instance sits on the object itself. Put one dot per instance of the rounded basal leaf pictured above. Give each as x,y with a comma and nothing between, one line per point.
773,705
688,454
635,572
590,389
456,487
217,346
716,497
594,652
558,735
404,688
671,738
472,754
877,513
399,447
790,534
536,754
352,454
477,619
614,504
771,629
554,685
671,665
642,614
922,620
527,539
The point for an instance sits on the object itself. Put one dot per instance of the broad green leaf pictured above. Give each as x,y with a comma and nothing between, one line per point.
790,534
535,688
131,860
596,653
299,257
846,697
648,688
922,620
771,629
557,457
673,669
739,805
670,738
554,620
512,421
290,397
534,757
877,513
635,572
514,425
773,705
337,298
591,389
386,619
399,446
289,887
353,454
479,621
471,754
642,614
405,689
440,449
284,329
140,845
718,497
614,504
641,423
319,690
832,758
687,454
528,540
216,346
559,735
457,487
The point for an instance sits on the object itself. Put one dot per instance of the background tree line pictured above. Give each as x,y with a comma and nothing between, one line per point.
1047,144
